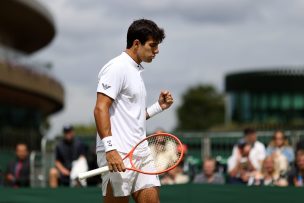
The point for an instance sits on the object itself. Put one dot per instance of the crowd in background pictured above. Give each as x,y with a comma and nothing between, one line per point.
250,163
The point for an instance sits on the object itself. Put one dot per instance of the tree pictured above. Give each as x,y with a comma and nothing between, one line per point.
202,107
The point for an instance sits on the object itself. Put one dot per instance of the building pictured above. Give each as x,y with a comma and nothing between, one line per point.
266,97
28,91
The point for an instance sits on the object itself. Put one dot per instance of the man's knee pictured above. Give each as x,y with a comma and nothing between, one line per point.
148,195
53,172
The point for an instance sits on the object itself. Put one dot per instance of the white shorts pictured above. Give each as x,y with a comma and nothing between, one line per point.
128,182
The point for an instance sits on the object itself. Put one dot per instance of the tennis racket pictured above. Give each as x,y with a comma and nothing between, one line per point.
166,151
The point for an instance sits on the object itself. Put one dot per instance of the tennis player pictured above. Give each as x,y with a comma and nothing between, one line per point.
121,113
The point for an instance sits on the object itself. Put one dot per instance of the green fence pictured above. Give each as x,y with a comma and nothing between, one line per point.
200,144
189,193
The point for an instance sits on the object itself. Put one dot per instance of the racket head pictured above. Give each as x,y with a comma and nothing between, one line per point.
166,152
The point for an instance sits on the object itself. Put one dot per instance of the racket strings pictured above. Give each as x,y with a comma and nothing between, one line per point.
165,151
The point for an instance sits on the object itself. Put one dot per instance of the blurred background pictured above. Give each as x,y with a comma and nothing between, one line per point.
230,65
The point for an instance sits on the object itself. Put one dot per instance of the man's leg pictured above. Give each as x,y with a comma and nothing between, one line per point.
53,178
147,195
109,198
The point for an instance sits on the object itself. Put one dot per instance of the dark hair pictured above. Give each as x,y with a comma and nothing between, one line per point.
300,145
248,131
142,29
67,128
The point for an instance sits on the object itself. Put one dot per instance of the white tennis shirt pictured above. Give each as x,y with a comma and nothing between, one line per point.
121,80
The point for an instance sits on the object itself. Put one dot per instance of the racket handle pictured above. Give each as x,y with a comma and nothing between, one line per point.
94,172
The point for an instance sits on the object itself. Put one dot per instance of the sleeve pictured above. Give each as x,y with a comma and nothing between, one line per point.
110,80
263,152
58,156
231,163
197,179
289,154
221,179
269,151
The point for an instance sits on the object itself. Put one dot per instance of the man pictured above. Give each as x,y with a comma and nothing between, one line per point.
257,152
240,166
67,150
120,115
296,175
209,174
18,171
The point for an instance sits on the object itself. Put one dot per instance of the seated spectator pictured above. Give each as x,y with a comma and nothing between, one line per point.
164,152
297,173
269,174
257,151
175,176
209,174
240,166
68,151
281,151
18,170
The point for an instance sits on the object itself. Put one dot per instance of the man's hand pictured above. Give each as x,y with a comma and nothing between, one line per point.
115,162
10,178
165,99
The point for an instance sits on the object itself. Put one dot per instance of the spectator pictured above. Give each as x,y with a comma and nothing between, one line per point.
297,174
175,176
209,174
269,174
257,152
164,152
240,166
18,170
281,151
67,152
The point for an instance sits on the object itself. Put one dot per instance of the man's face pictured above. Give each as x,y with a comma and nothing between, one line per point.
300,160
268,165
251,138
21,151
69,135
279,139
209,167
147,52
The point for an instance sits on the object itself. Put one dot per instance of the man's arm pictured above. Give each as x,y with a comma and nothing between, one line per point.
59,160
63,170
9,174
103,125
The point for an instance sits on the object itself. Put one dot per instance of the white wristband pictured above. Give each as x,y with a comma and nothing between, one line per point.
108,143
154,109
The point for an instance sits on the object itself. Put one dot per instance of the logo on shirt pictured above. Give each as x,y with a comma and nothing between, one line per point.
105,86
109,143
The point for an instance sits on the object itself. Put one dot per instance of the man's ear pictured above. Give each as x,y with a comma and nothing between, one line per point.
136,43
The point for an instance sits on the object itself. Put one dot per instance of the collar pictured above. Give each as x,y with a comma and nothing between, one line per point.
139,67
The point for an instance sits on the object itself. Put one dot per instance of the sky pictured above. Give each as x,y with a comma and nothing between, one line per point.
205,40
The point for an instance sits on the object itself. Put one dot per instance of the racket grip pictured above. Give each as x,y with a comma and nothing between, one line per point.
94,172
